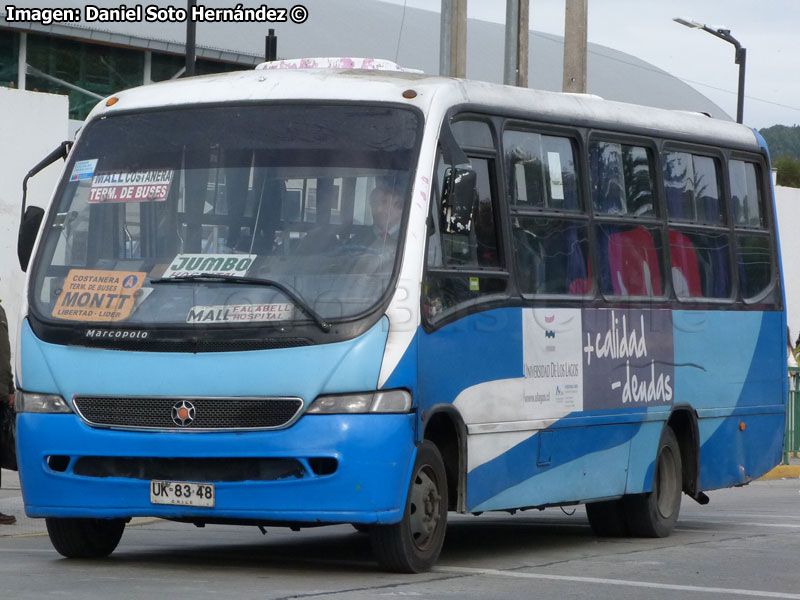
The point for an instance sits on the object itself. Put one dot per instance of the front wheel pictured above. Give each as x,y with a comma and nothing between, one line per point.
413,545
654,514
84,538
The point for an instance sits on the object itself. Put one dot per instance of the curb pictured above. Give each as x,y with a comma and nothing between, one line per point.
782,472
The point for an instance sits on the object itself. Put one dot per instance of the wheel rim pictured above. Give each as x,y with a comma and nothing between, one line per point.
667,488
424,508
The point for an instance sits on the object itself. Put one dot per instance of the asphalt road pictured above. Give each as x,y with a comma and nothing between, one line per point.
744,544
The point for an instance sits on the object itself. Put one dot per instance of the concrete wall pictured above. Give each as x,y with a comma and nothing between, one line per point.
787,201
31,126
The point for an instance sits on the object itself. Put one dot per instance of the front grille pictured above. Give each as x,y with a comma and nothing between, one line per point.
191,469
187,413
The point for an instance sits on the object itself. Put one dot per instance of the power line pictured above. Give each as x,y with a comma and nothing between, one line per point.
719,89
400,33
662,72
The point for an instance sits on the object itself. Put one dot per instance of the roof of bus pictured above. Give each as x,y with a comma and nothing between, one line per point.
431,92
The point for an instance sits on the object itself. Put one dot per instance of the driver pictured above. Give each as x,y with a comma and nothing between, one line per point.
386,206
387,210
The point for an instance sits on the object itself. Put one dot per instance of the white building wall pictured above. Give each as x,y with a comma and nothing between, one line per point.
787,202
31,126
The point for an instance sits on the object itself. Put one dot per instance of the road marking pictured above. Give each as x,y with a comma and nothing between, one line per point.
732,515
751,523
620,582
785,525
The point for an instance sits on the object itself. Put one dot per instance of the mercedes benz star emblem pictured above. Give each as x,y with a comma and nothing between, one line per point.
183,413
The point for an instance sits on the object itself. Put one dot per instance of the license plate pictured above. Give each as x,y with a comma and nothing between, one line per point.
182,493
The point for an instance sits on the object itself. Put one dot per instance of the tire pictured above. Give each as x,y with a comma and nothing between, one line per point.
654,514
608,519
413,545
84,538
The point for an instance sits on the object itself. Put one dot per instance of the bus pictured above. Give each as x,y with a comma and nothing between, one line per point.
333,291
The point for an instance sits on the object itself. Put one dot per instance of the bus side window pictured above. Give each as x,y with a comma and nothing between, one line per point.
476,244
552,256
541,171
753,253
700,265
549,230
747,202
629,260
699,238
693,189
623,179
457,257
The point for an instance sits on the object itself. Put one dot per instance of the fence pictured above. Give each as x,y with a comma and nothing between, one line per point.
791,441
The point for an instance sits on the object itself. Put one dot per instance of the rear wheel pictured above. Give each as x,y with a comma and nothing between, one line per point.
655,514
85,538
413,545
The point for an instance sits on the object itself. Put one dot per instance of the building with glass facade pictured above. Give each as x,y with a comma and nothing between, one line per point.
86,70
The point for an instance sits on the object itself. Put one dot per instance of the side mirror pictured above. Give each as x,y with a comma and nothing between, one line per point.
458,200
28,229
31,216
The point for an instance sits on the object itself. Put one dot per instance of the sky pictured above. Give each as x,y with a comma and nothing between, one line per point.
768,29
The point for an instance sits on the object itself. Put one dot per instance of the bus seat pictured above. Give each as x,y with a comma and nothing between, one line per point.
579,272
634,263
709,207
721,278
674,201
603,272
712,262
685,270
528,253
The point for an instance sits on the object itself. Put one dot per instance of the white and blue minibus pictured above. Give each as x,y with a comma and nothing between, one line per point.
335,291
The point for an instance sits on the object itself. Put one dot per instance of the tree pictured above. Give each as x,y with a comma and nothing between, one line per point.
788,171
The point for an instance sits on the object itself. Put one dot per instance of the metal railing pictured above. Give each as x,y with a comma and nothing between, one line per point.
791,440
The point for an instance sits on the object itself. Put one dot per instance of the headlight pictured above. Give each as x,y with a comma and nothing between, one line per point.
390,401
40,403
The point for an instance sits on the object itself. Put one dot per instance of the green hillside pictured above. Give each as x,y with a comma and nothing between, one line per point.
782,140
784,149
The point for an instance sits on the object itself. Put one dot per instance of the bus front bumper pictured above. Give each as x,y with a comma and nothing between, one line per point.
366,463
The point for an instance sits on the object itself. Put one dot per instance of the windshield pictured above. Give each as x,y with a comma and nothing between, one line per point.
308,198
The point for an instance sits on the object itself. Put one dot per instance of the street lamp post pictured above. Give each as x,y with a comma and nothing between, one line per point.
741,56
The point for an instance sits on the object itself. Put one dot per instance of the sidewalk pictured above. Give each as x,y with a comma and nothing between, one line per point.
11,504
790,471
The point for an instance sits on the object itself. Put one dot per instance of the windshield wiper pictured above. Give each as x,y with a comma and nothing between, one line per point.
287,291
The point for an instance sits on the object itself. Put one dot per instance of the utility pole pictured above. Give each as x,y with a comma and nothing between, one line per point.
191,32
575,27
515,71
453,40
